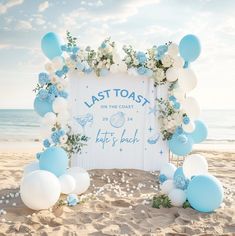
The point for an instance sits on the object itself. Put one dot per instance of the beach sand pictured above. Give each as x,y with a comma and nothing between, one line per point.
118,202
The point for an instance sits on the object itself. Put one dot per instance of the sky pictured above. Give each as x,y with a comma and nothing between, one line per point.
141,23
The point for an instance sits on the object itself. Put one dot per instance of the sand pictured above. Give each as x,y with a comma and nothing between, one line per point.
118,202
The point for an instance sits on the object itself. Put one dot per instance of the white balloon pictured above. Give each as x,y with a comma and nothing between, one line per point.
172,74
57,63
59,105
45,131
191,108
195,164
168,170
122,66
63,117
82,179
167,186
187,79
177,197
49,119
67,183
173,49
31,167
40,189
114,68
189,128
179,94
178,62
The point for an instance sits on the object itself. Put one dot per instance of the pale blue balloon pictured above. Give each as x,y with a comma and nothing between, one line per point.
190,48
180,180
205,193
179,145
200,133
55,160
42,106
51,45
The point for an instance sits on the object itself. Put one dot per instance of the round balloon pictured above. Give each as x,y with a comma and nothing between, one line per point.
172,74
200,132
49,119
190,47
191,108
31,167
40,190
67,183
59,105
168,170
205,193
82,179
51,45
167,186
42,106
187,79
195,164
180,147
177,197
55,160
189,128
173,49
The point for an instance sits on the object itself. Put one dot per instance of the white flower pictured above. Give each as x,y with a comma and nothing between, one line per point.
136,62
108,65
49,67
128,59
58,63
150,64
54,79
63,139
159,75
167,60
100,65
60,87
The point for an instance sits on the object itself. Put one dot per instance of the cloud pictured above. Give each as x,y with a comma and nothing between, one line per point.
9,4
43,6
23,25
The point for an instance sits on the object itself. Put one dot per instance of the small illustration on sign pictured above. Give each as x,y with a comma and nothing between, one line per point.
153,139
117,120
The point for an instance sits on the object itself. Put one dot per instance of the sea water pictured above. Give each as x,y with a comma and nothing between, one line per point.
24,125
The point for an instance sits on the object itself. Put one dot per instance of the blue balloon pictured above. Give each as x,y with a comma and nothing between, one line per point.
51,45
205,193
179,145
180,180
55,160
190,47
200,133
42,106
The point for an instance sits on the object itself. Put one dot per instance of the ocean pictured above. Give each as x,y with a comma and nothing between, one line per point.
23,125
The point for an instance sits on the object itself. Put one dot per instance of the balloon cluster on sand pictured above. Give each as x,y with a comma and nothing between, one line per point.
192,130
193,183
46,179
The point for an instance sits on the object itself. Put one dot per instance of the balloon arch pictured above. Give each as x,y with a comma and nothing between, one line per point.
167,64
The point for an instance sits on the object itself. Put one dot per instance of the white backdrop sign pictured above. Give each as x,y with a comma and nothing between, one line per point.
119,115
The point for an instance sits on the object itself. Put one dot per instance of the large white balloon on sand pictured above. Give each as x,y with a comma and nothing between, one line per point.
187,79
168,170
167,186
40,189
191,107
67,183
81,177
59,105
31,167
195,164
177,197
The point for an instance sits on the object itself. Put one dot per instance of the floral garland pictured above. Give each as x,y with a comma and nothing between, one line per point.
153,64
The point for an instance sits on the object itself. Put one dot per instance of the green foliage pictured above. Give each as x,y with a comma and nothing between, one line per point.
72,41
75,143
186,204
161,200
